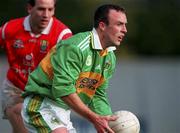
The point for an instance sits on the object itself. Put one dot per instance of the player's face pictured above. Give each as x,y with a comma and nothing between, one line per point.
41,14
115,31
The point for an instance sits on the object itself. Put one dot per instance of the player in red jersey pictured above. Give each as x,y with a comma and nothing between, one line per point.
26,41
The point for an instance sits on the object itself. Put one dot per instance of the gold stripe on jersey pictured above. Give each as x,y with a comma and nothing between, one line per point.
103,52
46,64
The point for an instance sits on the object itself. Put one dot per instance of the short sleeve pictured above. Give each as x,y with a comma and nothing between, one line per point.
65,34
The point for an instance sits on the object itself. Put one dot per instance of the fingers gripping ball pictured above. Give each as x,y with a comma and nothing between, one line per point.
127,122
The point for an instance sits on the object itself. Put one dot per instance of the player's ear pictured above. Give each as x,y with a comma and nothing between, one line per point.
102,26
29,8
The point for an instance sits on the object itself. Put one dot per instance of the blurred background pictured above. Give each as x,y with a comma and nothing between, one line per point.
147,78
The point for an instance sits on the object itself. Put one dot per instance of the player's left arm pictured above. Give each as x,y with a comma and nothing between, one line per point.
2,35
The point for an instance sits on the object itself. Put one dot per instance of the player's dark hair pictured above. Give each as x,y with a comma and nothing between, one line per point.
32,2
101,14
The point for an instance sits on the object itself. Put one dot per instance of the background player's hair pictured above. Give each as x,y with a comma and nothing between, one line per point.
32,2
101,14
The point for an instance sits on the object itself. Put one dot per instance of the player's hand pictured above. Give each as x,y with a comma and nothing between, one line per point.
101,124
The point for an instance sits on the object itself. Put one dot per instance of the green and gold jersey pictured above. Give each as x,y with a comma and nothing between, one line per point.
79,65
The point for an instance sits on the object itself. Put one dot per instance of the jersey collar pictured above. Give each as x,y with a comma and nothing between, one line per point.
27,26
96,44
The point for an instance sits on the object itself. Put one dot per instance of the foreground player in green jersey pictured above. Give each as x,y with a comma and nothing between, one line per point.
74,75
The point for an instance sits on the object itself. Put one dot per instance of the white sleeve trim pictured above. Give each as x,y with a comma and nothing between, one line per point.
3,31
64,32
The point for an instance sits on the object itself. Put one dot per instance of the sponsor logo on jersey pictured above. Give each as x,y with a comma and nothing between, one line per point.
32,40
23,71
29,57
18,44
88,82
28,60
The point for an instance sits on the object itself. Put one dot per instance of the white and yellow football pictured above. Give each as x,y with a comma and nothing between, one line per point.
127,122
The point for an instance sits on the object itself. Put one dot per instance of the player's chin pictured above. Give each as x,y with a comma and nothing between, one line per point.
43,26
117,43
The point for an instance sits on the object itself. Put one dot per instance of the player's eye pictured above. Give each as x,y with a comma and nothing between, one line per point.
51,9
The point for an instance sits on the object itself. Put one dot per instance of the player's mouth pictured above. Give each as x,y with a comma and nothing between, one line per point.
44,21
120,38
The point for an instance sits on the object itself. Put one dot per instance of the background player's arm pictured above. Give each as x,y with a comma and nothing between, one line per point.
1,37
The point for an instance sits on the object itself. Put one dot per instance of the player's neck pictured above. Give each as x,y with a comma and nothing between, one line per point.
35,29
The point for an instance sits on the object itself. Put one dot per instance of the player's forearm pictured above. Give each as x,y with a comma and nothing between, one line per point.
100,122
78,106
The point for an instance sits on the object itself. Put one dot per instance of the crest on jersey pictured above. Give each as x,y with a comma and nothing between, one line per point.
43,46
107,65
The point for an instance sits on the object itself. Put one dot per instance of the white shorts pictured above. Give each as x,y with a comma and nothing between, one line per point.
10,96
41,114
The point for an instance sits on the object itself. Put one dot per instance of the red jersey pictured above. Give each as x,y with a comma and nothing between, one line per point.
25,50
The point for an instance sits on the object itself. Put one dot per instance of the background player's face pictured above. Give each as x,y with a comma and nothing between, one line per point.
41,13
115,31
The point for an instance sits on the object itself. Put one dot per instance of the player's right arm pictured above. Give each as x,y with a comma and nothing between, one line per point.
99,122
